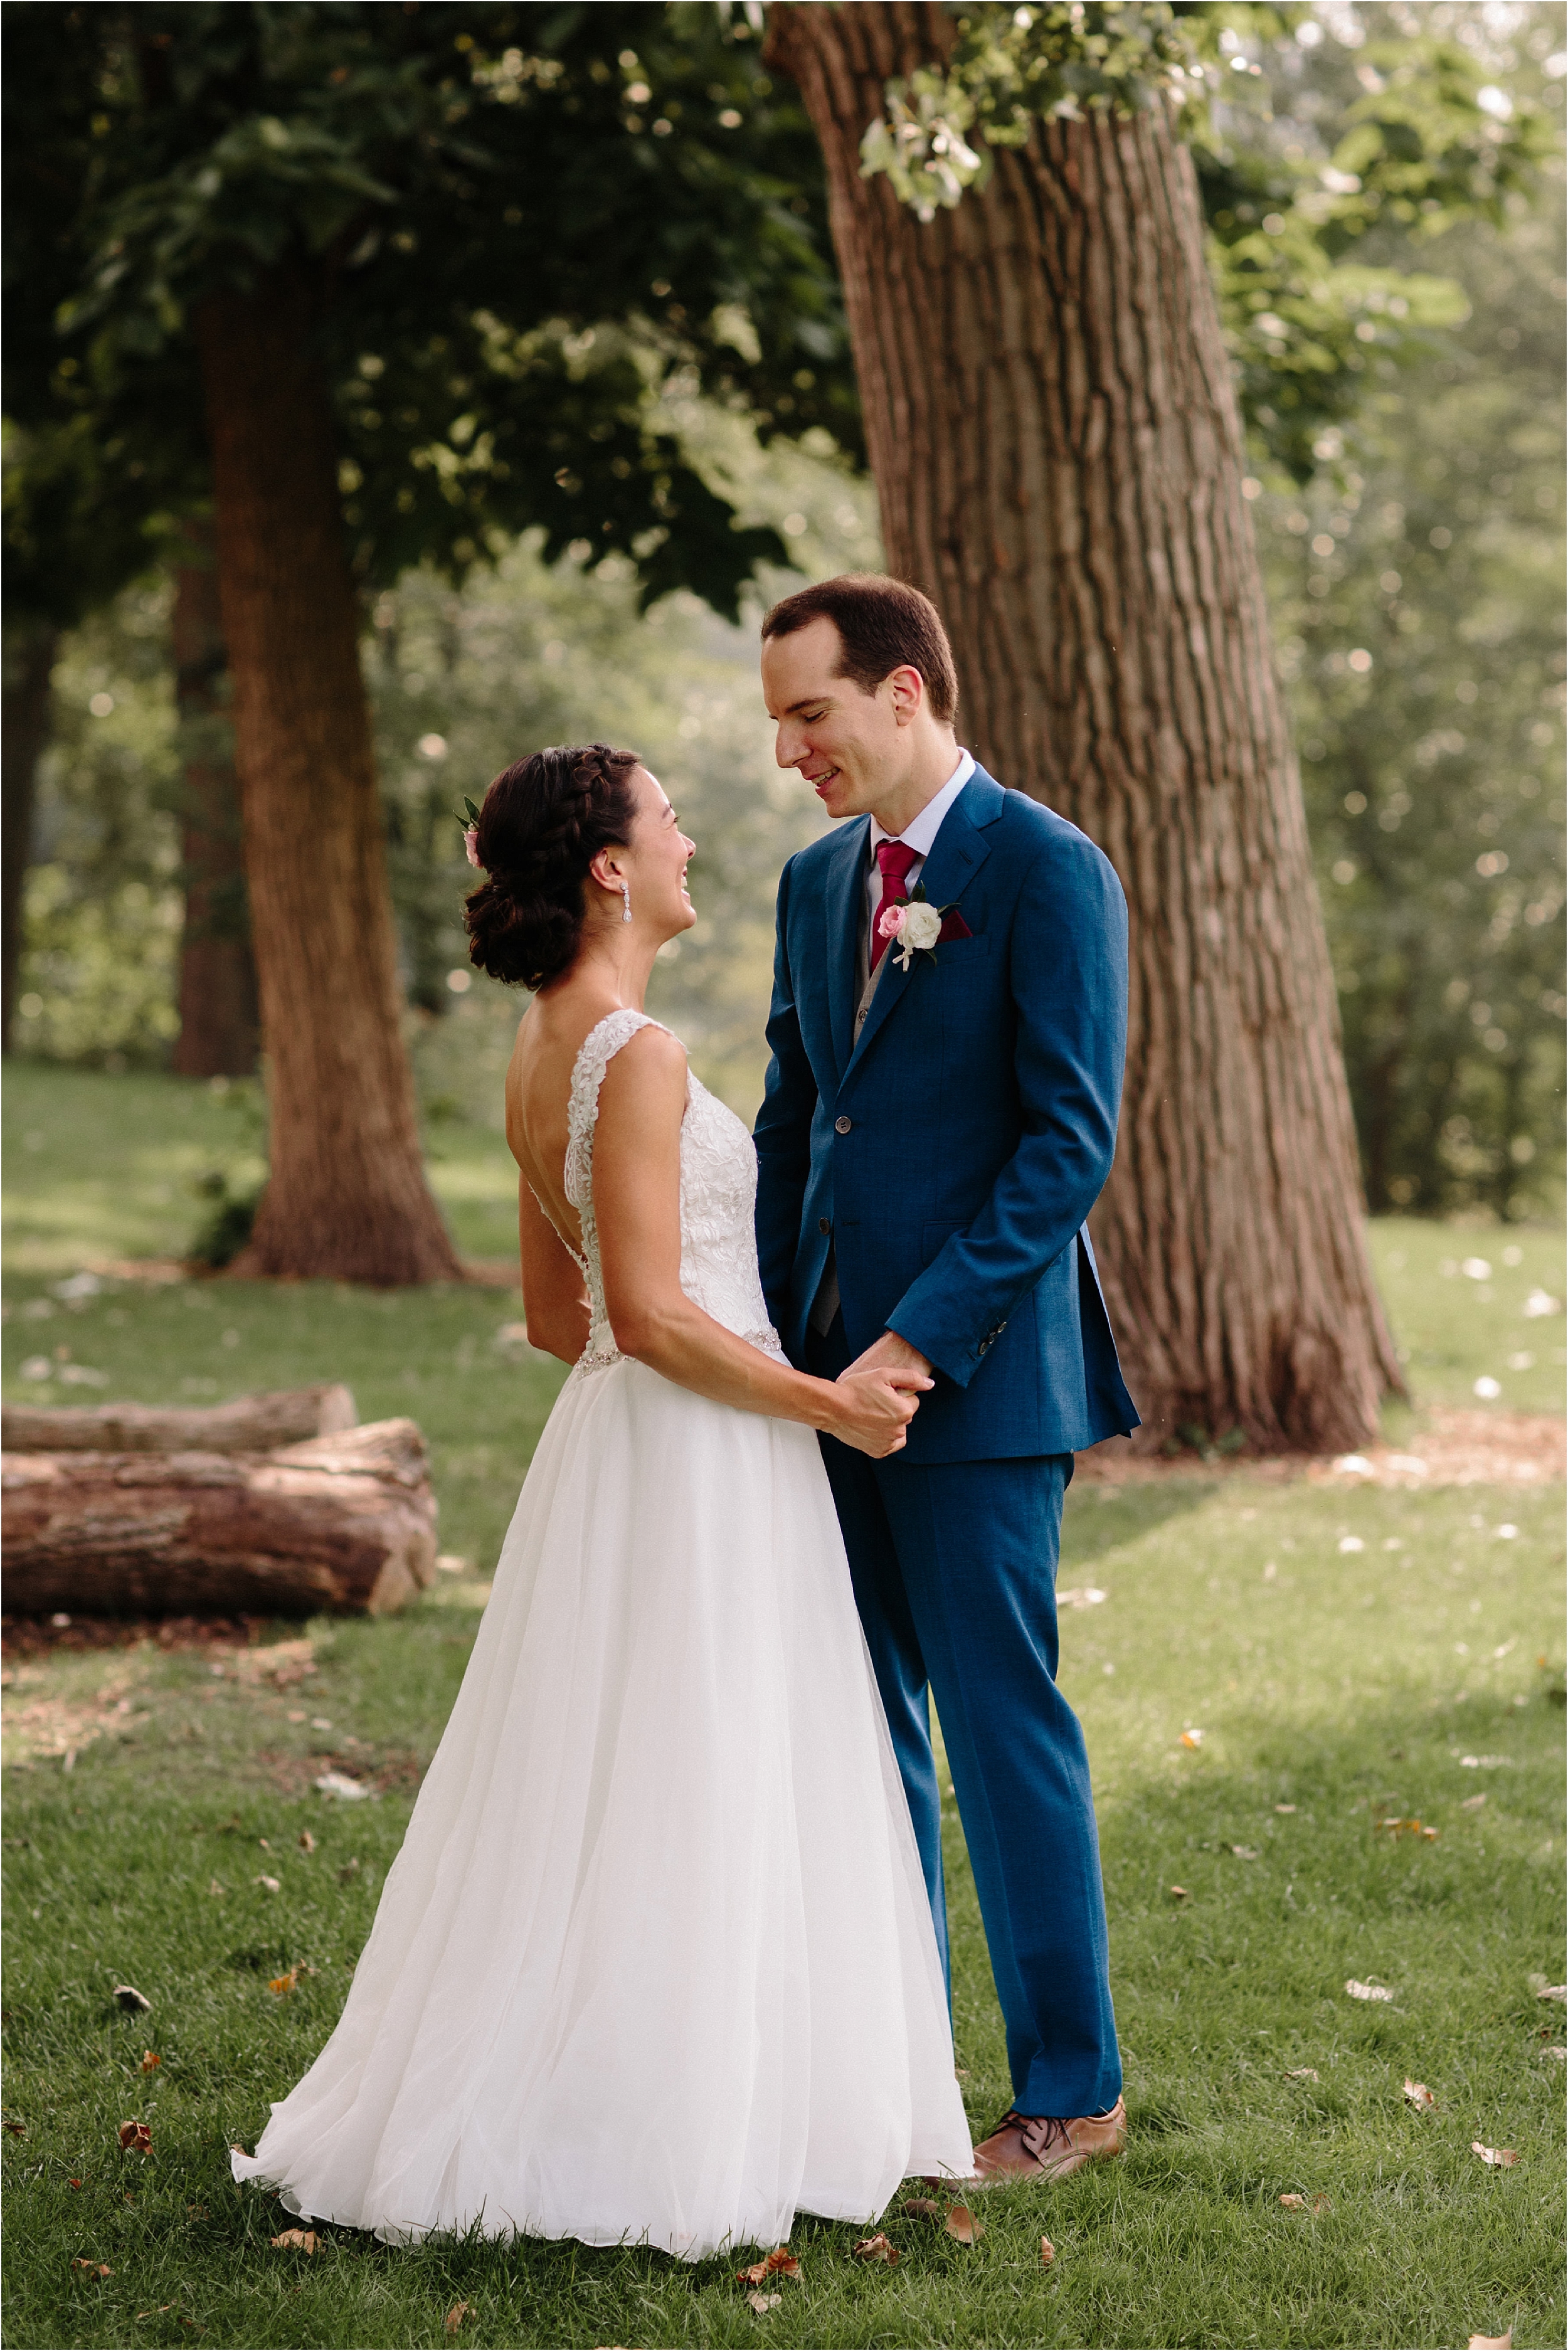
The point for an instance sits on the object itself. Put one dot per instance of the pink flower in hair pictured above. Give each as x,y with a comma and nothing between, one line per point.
471,843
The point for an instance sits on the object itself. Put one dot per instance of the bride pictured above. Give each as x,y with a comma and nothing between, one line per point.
655,1963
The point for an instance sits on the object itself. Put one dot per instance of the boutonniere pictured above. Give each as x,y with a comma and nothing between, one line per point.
917,926
468,825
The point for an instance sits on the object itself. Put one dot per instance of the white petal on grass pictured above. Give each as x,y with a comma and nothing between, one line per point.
1351,1542
1487,1388
337,1783
1359,1990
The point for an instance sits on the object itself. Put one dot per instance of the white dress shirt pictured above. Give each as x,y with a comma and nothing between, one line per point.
920,835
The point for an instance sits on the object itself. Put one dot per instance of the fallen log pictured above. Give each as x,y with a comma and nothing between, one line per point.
251,1424
343,1522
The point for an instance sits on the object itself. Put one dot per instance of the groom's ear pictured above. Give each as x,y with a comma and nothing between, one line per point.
908,689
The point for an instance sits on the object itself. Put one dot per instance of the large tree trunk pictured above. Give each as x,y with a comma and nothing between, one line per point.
29,662
1056,445
344,1523
217,977
347,1195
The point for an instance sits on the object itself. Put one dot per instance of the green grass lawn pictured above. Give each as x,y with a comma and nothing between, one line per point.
1342,1654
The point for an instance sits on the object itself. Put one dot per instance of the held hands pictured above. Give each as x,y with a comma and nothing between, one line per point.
880,1395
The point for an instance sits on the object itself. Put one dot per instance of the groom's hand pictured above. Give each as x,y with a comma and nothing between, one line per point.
892,1353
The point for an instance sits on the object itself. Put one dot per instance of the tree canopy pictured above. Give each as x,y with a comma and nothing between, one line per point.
521,224
1420,139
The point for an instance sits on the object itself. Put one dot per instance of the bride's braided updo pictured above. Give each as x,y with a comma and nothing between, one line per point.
544,820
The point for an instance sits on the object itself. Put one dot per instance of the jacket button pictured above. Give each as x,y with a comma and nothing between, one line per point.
842,1125
824,1225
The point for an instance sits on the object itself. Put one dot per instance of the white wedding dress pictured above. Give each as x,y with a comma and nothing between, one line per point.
655,1962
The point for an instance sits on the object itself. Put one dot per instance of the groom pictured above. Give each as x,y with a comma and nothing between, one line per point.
939,1123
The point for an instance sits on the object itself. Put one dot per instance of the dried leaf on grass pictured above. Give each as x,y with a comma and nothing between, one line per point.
877,2249
297,2239
1367,1991
282,1985
922,2208
1179,1893
98,2269
780,2262
763,2303
1245,1852
17,2130
1493,2342
273,1885
130,1999
1295,2203
1473,1804
1322,2204
1284,1808
1502,2158
1192,1738
306,1842
1418,2096
150,2061
1553,1991
1301,2073
1047,2253
136,2138
455,2316
961,2223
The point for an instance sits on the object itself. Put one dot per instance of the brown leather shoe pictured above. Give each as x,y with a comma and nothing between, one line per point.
1047,2147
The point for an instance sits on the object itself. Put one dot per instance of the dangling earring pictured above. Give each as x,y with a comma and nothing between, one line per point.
626,899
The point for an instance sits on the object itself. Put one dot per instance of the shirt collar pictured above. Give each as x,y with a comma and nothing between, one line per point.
922,833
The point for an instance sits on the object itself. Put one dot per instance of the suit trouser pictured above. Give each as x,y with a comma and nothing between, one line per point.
954,1567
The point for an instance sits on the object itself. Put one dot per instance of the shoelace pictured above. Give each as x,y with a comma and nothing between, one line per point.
1039,2132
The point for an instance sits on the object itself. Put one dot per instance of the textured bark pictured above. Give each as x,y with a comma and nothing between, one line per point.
29,662
1057,450
251,1424
345,1522
346,1194
218,1013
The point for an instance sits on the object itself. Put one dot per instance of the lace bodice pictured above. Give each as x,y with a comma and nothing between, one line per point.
718,1197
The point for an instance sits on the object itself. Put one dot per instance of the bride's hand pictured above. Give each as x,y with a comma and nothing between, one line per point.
876,1406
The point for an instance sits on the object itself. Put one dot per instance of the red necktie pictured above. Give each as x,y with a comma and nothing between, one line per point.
895,858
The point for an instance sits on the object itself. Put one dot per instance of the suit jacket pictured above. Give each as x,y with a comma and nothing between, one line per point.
952,1155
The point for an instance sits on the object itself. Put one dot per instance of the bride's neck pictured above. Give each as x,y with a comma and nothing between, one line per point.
618,968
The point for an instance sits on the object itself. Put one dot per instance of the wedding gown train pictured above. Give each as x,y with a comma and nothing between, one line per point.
655,1962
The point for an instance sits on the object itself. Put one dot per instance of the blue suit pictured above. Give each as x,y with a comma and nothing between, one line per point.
950,1156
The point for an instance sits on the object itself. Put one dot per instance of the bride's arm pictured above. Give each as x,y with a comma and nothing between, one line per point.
555,1303
637,1207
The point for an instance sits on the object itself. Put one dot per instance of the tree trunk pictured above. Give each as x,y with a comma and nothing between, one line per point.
1057,449
29,662
251,1424
346,1195
217,977
344,1523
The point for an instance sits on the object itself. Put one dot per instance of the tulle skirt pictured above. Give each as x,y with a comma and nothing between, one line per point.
655,1963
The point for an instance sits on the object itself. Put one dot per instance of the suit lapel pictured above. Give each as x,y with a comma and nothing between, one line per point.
957,853
842,900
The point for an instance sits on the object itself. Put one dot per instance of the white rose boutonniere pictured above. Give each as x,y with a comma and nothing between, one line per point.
914,924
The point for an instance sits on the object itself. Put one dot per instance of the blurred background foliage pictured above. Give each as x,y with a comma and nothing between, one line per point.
1415,582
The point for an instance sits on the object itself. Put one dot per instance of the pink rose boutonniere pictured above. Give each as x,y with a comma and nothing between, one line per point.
918,927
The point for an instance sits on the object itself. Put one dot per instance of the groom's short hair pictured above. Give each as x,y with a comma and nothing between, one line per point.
882,624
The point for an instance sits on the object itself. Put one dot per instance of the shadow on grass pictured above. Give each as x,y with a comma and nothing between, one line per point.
1101,1519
